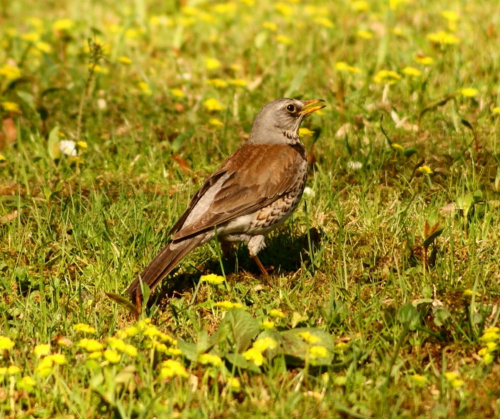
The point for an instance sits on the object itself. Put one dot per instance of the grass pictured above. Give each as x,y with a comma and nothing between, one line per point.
386,280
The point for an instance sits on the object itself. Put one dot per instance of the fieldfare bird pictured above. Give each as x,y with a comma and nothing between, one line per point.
254,191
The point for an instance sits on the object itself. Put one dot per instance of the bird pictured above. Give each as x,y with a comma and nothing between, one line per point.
252,192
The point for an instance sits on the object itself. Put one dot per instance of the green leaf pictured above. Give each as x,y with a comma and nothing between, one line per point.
441,314
407,314
53,143
429,240
189,350
237,329
237,360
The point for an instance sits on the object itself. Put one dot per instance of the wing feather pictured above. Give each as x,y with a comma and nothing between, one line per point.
253,177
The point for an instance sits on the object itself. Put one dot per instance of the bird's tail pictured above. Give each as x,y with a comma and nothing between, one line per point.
162,264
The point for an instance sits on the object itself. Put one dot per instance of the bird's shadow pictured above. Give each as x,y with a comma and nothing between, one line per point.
284,253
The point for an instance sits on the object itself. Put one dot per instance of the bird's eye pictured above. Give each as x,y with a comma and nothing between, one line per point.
290,108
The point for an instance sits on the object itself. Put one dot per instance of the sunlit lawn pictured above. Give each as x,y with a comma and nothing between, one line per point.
384,299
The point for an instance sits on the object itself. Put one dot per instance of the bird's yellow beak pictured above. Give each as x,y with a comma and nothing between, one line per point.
311,106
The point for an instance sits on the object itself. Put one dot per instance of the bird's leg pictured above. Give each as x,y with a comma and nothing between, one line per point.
260,265
138,303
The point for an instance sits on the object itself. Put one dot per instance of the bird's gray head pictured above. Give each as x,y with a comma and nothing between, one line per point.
279,121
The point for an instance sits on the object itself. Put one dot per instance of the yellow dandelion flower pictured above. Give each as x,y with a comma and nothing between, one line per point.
101,69
284,9
491,346
85,328
228,305
284,40
492,329
57,359
426,170
145,89
63,25
450,15
2,158
397,146
443,38
116,343
95,355
3,371
469,92
360,6
143,324
490,337
364,34
234,384
41,350
10,72
496,110
424,60
323,21
13,370
309,337
266,324
171,368
341,346
238,82
264,344
133,33
305,132
212,105
124,60
160,20
271,26
457,383
386,77
344,67
31,37
487,358
44,47
212,279
398,31
254,356
6,343
177,93
470,293
210,359
90,345
10,106
212,63
411,71
451,375
217,83
45,367
130,350
112,356
215,122
235,67
317,351
419,379
277,313
26,383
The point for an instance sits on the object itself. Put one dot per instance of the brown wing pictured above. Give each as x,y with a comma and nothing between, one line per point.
255,176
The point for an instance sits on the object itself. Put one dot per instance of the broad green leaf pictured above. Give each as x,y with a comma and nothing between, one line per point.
238,329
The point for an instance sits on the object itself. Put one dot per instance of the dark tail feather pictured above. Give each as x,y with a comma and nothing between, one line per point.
162,264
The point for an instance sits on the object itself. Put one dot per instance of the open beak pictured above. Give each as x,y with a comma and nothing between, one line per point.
311,106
